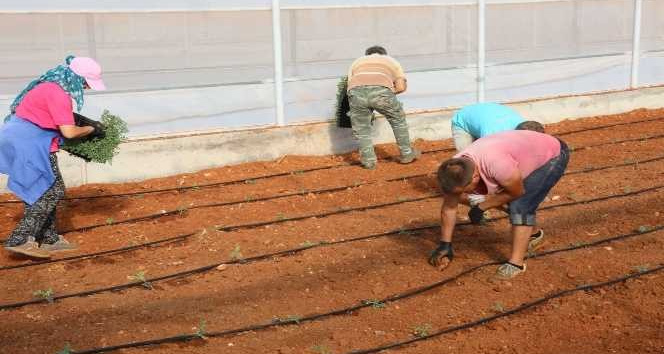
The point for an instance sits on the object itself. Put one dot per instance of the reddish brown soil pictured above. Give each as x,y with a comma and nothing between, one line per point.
623,318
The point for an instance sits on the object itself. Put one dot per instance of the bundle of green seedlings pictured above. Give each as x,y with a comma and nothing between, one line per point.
342,106
100,150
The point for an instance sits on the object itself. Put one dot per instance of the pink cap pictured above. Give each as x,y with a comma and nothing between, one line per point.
89,69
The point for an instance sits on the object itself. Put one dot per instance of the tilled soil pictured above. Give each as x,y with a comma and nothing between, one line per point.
610,189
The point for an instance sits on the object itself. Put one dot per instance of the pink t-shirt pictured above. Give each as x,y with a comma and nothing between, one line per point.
48,106
498,155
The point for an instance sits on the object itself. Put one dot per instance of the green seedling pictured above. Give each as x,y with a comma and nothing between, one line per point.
377,304
422,330
250,181
627,190
643,228
201,331
140,277
308,244
181,210
321,349
288,319
498,307
642,268
195,187
236,253
280,216
66,350
249,198
109,221
297,173
402,198
579,244
45,294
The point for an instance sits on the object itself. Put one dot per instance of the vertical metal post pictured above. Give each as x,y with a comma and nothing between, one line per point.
636,44
185,35
481,52
278,63
61,37
92,41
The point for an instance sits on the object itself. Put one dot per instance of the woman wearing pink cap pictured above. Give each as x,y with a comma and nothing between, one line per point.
41,115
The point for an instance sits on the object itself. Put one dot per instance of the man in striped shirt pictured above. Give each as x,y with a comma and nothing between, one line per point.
374,80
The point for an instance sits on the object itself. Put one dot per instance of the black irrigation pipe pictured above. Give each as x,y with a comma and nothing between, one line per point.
393,298
608,126
245,180
629,140
521,308
182,210
103,253
294,251
226,228
236,202
235,227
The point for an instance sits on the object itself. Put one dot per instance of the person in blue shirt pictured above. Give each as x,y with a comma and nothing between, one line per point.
479,120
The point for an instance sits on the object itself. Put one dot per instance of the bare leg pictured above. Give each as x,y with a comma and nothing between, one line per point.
520,239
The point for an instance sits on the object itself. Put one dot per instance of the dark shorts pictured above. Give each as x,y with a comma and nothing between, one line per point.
537,186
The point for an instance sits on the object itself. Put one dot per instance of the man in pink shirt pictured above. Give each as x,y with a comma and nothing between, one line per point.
517,168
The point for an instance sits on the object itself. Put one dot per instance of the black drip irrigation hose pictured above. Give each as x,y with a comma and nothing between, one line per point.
247,201
289,252
180,211
521,308
235,227
393,298
103,253
223,228
182,237
629,140
608,126
245,180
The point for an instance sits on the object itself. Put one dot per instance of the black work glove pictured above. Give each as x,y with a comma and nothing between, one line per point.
83,121
442,255
476,215
99,132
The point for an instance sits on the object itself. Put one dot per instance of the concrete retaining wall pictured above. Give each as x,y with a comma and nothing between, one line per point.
162,156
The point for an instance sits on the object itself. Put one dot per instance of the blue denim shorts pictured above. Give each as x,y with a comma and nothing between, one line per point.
537,186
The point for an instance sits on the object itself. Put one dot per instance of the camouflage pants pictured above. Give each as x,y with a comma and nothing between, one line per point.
363,100
39,218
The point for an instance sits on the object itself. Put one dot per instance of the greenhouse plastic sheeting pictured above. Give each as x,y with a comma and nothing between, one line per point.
188,65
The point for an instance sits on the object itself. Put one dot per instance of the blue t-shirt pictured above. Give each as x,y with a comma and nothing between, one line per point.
484,119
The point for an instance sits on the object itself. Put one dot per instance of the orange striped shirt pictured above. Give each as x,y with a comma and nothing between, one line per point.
375,69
